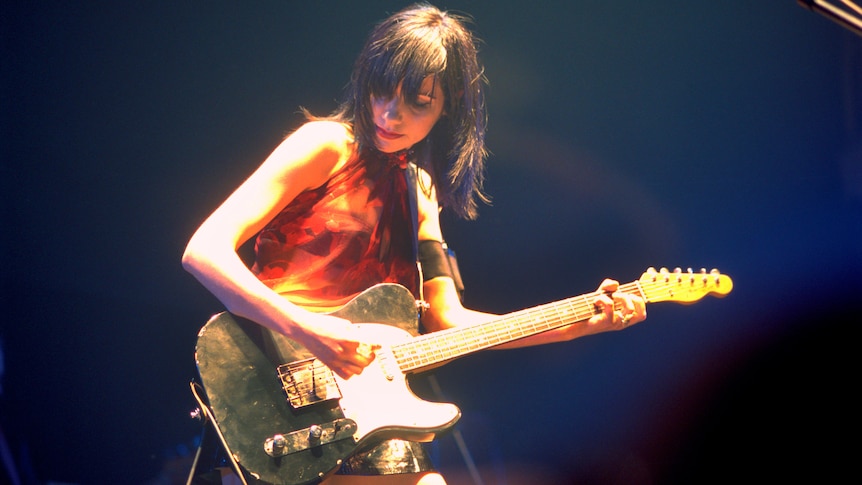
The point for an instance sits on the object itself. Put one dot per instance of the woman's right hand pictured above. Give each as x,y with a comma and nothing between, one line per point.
337,343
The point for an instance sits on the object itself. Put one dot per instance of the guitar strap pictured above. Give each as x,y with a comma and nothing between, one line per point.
438,255
411,173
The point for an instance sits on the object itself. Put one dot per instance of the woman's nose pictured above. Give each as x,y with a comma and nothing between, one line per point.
392,109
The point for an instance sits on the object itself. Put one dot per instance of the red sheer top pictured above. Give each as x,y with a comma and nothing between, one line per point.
352,232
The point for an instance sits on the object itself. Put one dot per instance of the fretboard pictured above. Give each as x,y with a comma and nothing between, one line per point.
438,347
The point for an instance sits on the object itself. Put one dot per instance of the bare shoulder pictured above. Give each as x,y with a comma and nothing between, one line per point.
313,152
428,207
424,179
325,132
323,137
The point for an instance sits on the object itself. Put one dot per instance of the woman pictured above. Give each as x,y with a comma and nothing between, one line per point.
332,215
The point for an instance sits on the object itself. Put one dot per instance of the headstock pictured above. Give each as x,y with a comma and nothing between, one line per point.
683,286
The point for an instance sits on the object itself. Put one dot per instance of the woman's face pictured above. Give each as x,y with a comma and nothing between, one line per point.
401,123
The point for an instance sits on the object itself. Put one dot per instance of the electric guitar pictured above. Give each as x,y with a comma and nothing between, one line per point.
286,419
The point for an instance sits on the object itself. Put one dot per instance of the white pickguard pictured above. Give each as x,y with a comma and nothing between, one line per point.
380,398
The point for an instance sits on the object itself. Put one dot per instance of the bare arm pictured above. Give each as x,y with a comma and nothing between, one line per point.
303,160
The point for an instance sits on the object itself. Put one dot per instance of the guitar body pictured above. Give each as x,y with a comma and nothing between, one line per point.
242,367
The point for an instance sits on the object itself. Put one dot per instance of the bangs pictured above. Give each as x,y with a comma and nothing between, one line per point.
409,59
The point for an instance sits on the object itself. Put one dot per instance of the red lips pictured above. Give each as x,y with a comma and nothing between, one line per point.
388,135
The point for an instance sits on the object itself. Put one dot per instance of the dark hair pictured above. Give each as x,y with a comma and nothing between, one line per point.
410,45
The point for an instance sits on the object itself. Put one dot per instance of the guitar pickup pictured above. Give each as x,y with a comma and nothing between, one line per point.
303,439
307,382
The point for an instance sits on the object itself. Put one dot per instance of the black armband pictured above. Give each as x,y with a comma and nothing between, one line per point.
437,259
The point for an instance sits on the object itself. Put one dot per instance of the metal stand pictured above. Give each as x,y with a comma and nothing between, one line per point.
205,415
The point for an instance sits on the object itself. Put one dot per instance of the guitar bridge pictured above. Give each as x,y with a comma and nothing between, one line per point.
307,382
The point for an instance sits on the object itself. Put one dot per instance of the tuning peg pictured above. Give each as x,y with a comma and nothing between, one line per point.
665,274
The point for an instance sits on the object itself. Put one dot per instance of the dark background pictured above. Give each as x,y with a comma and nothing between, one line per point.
624,135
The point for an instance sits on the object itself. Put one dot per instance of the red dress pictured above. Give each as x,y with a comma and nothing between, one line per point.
352,232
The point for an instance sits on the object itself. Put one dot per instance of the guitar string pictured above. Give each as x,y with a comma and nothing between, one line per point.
441,346
448,344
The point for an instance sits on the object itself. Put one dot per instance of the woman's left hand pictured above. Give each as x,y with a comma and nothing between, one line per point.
616,310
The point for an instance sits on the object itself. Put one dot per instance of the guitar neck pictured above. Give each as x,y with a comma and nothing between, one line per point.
438,347
653,286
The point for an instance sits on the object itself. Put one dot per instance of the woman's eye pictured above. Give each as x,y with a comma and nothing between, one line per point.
422,101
